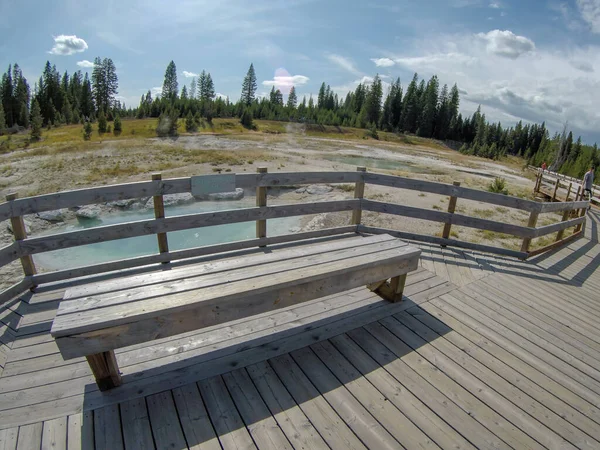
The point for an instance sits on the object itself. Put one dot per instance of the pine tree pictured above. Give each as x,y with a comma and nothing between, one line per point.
396,105
193,88
373,101
246,119
321,97
190,124
6,94
209,88
184,93
410,108
429,105
202,86
87,130
102,123
36,122
117,126
292,98
87,99
249,87
2,120
105,83
170,87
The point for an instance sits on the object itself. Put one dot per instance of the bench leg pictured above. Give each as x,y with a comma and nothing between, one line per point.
105,369
391,291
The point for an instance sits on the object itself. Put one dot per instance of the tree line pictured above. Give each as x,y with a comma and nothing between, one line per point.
423,108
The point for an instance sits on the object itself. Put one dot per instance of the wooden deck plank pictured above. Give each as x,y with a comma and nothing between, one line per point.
260,423
549,393
414,408
436,400
224,416
531,416
54,434
166,429
488,417
107,428
198,431
135,423
293,422
386,413
522,333
80,431
324,418
531,355
30,436
8,438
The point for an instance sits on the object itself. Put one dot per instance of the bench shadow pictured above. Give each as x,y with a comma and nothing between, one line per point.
276,356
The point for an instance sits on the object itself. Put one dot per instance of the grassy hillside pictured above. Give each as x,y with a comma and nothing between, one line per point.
145,128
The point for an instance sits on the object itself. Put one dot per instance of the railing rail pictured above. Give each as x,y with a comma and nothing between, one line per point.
23,247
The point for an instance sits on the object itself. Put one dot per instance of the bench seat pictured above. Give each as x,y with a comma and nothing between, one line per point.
96,318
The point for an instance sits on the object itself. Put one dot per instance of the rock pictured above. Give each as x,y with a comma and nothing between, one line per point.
89,212
238,194
58,215
173,199
27,227
318,189
123,204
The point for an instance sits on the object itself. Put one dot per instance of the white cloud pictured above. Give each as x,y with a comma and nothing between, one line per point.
189,74
85,64
383,62
157,90
219,95
548,85
286,82
506,43
495,5
344,63
590,13
68,45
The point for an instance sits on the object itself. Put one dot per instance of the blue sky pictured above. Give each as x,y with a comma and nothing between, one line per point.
531,60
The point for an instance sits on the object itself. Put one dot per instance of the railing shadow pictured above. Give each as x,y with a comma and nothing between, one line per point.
306,361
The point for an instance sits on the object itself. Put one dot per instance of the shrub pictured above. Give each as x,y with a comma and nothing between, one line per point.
117,126
247,120
190,124
498,186
102,123
372,131
87,131
167,123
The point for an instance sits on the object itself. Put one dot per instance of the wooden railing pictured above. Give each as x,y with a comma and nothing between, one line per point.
24,247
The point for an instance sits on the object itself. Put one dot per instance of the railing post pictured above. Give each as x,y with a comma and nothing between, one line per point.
538,181
569,191
159,213
451,208
261,201
565,217
555,189
20,233
533,217
359,193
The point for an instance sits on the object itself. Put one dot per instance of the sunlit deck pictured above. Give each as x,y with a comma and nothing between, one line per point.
484,352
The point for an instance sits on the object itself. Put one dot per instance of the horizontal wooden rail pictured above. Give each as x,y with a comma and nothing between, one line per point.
442,241
147,189
554,245
177,223
186,254
16,289
444,217
563,206
453,191
9,253
548,229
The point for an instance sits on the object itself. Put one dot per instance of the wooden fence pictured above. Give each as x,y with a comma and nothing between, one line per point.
24,246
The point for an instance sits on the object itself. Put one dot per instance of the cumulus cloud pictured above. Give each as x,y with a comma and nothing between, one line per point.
284,81
85,64
223,96
383,62
548,85
68,45
506,43
189,74
495,5
344,63
590,13
157,90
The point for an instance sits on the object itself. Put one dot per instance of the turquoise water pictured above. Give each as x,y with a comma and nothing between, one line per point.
374,163
147,245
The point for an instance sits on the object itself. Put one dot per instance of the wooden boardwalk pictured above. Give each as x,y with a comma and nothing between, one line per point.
484,352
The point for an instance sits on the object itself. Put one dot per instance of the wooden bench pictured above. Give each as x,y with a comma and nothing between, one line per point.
95,319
